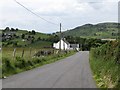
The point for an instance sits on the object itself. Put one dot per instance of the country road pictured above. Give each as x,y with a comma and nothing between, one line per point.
71,72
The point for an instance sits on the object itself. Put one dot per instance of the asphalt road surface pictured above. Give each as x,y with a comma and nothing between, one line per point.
72,72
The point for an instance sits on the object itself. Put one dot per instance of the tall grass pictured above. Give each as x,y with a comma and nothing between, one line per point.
105,65
13,65
28,52
0,63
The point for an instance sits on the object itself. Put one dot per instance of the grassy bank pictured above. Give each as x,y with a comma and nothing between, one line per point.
19,64
105,64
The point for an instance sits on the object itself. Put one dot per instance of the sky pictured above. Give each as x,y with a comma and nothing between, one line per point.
71,13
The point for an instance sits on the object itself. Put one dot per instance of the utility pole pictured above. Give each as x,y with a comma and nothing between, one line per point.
60,38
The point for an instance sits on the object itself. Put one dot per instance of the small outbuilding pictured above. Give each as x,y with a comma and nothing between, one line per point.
74,47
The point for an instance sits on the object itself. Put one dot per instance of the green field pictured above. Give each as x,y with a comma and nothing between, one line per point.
42,35
28,52
24,38
41,44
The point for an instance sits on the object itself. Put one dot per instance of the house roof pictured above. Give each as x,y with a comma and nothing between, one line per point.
65,41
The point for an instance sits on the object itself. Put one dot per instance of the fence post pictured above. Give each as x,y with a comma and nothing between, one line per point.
22,52
14,53
35,51
30,51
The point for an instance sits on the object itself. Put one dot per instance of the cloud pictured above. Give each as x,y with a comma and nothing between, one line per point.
71,13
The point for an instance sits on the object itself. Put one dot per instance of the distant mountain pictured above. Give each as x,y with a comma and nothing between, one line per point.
101,30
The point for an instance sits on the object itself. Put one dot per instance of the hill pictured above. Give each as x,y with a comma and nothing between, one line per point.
22,38
100,31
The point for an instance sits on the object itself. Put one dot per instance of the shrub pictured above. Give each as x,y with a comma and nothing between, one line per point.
7,66
20,63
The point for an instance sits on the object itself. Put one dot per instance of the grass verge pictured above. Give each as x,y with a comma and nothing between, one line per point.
105,67
11,67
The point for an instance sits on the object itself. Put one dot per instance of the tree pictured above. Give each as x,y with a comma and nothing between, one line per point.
3,34
29,32
23,36
33,32
53,38
7,29
12,29
15,44
29,37
17,29
39,38
14,35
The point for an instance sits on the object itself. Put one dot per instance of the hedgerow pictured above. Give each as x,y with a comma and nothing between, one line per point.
105,63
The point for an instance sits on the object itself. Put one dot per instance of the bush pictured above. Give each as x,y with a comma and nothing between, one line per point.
30,63
20,63
7,66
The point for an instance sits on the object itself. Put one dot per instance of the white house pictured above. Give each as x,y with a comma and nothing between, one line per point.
64,45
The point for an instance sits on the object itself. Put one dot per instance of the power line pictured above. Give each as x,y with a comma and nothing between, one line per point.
63,28
42,17
35,13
